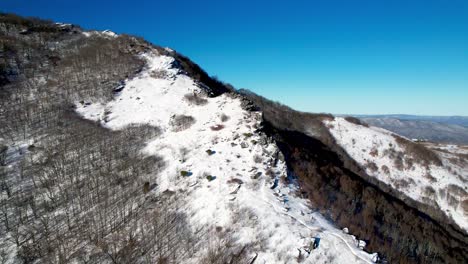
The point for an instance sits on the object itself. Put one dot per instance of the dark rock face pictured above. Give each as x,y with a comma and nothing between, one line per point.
401,233
210,84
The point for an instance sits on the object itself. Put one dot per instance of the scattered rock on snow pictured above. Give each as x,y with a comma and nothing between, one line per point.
235,180
257,175
210,152
210,177
185,173
362,244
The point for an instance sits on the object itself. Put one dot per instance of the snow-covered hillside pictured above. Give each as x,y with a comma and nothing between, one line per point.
388,158
225,169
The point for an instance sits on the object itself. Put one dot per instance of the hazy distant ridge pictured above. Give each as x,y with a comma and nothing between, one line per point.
453,120
443,129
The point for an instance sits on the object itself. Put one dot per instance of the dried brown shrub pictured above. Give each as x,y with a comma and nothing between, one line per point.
429,191
385,169
217,127
431,178
257,158
195,99
374,152
224,118
409,163
456,190
441,150
235,180
419,152
271,173
159,74
456,160
396,156
372,166
356,121
398,162
182,122
146,187
463,157
140,131
452,200
401,184
464,206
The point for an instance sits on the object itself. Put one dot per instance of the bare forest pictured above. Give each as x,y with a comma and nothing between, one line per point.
71,189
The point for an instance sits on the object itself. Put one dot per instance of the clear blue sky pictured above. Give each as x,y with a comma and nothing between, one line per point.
354,57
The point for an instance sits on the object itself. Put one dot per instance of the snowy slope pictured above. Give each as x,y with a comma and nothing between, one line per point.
378,151
219,139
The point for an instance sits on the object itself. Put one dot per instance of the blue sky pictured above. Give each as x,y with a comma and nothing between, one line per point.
353,57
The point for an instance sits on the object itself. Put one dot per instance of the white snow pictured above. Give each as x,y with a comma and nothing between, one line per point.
110,33
282,222
63,25
373,145
105,34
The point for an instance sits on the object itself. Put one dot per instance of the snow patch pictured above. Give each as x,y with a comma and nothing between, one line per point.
105,34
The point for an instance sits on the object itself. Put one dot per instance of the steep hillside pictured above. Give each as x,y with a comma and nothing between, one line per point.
337,183
118,151
114,150
407,167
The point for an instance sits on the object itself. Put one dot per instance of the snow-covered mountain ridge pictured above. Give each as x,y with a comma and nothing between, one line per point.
114,150
384,157
230,166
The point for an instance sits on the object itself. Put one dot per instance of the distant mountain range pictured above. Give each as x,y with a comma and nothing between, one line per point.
440,129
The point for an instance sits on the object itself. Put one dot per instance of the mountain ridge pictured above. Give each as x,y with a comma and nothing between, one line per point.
439,130
452,119
133,106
